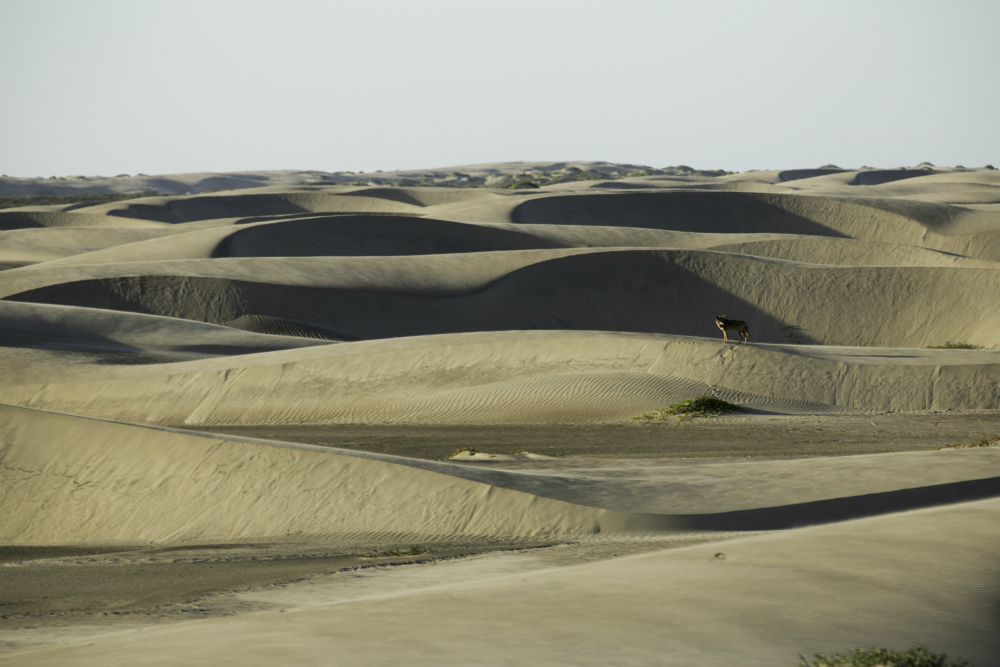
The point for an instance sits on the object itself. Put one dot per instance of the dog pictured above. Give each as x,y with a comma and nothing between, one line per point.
739,326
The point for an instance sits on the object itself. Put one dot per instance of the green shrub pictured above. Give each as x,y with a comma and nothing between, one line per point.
699,406
916,656
953,346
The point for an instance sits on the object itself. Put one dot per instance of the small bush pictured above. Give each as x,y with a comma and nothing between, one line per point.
953,346
916,656
699,406
985,442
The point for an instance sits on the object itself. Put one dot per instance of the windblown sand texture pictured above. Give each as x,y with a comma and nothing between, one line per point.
124,326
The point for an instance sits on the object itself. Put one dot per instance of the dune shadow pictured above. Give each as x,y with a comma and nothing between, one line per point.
371,235
197,208
686,211
845,509
639,291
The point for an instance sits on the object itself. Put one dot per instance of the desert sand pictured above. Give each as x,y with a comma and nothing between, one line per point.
226,418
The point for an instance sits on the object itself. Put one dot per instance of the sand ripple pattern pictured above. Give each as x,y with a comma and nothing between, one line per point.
568,397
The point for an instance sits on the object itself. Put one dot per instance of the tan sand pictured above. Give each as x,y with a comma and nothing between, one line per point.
332,342
759,600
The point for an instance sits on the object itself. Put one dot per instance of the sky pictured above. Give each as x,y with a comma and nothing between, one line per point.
104,87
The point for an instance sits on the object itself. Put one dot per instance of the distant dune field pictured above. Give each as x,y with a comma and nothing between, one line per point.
433,299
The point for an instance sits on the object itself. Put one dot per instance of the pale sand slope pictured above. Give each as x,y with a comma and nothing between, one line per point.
503,377
923,577
920,577
80,480
71,479
68,479
24,247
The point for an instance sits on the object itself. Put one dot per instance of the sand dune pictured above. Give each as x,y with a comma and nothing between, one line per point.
769,599
146,480
158,478
43,216
806,587
509,377
644,290
24,247
317,301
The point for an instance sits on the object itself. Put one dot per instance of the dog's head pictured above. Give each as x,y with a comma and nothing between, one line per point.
719,319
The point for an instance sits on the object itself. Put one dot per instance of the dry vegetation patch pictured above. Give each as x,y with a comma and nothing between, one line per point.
699,406
953,346
916,656
985,442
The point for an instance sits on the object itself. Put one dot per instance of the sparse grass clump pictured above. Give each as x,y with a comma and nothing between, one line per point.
470,450
953,346
413,551
916,656
699,406
519,451
985,442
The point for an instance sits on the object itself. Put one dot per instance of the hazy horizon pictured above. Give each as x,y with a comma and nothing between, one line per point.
107,87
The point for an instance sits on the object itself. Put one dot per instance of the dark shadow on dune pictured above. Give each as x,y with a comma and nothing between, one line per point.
210,207
687,211
11,220
583,491
642,291
370,235
879,176
845,509
797,174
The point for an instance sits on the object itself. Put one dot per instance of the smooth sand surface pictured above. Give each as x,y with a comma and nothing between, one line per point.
756,601
225,420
